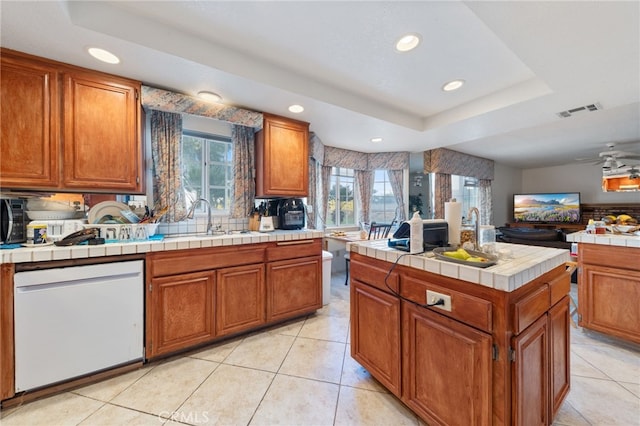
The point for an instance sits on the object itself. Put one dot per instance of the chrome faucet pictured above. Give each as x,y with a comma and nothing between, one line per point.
477,223
193,208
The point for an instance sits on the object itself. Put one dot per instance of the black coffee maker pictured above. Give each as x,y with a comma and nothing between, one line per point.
291,214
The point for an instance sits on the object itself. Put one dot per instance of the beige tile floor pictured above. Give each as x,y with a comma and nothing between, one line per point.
301,373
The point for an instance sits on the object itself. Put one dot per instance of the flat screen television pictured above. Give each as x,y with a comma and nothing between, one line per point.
557,207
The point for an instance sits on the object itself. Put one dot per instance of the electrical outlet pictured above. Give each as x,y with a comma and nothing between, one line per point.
434,296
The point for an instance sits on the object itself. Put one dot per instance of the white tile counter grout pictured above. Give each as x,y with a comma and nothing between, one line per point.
50,252
605,239
526,264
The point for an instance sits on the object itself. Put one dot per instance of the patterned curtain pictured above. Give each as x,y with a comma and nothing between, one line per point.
244,189
364,183
166,150
395,179
326,182
486,201
312,199
443,193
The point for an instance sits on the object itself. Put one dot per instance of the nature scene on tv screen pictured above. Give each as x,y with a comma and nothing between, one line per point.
563,207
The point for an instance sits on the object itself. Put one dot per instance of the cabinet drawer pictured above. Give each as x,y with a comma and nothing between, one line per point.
468,309
203,259
530,308
374,273
610,256
559,287
293,249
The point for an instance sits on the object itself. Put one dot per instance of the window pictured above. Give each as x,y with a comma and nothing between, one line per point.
341,205
465,190
383,203
207,167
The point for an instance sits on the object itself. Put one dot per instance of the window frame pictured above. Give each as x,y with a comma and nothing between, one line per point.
387,185
205,186
334,181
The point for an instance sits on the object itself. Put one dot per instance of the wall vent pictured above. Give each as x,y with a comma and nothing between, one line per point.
570,112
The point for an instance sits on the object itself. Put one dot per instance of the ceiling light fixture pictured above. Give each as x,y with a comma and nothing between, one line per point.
103,55
296,109
408,42
453,85
209,96
376,140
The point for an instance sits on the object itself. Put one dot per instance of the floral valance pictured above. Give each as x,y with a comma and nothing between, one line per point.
442,160
388,160
338,157
316,148
164,100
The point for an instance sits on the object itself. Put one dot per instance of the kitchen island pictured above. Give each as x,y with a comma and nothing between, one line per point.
609,283
496,352
197,290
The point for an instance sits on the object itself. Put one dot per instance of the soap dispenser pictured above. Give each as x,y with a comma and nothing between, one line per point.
416,238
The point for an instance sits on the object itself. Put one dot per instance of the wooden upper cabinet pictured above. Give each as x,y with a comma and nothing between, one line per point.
101,133
282,158
30,105
68,128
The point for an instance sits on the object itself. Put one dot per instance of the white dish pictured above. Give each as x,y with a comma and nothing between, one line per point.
31,245
50,214
112,208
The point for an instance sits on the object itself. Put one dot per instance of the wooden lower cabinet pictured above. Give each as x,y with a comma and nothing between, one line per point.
609,301
294,287
495,357
375,341
181,311
541,375
531,375
444,361
240,301
559,354
195,296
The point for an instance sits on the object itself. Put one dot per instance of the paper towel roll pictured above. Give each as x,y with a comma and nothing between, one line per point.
453,216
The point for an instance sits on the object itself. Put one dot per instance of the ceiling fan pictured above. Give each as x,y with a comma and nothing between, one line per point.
613,159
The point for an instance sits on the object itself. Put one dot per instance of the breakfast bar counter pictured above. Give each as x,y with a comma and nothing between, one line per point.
461,344
609,283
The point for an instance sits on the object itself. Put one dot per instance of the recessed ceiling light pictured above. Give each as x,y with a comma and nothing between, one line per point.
296,109
103,55
209,96
376,140
408,42
453,85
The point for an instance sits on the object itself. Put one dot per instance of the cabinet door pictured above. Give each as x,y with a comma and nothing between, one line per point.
530,375
181,312
294,287
30,105
240,298
445,361
282,158
102,147
559,354
375,336
608,301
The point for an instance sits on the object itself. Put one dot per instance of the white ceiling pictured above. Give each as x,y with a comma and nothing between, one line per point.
523,61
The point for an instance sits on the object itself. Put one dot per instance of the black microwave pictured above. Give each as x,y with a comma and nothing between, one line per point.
13,221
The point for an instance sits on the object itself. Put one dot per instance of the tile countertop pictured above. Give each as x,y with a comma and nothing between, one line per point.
526,263
605,239
51,252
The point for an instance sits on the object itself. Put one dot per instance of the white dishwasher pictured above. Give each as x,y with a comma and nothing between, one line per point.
77,320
